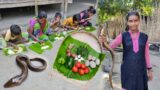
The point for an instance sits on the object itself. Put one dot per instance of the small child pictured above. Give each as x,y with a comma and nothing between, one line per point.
13,36
72,22
56,23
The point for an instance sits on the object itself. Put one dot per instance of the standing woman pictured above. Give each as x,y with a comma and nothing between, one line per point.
136,68
86,16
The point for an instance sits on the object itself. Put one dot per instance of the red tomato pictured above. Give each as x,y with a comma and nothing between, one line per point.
74,69
78,64
81,71
83,66
86,70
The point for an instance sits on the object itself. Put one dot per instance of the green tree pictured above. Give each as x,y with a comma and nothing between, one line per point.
110,9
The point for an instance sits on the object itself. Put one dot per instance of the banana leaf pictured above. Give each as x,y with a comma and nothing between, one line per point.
89,28
56,36
11,51
40,48
62,54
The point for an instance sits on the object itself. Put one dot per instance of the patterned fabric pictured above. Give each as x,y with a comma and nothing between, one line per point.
40,30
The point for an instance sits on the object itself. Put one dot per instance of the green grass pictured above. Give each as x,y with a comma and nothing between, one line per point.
62,53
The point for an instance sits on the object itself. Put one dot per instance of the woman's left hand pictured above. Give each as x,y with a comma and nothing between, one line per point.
150,75
101,39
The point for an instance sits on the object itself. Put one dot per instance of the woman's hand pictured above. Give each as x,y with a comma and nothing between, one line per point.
101,39
150,75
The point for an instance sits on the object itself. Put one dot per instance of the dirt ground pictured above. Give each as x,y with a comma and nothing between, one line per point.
49,79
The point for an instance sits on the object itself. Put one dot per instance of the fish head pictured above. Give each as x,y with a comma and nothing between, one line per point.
13,82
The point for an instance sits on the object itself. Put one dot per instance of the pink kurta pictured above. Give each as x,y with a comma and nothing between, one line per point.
135,37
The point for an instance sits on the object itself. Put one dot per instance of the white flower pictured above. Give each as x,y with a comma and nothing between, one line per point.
82,58
79,56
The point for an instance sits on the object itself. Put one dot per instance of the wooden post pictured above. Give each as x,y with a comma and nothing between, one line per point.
36,7
65,8
62,8
96,4
0,16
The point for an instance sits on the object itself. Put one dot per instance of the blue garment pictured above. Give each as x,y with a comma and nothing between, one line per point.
133,67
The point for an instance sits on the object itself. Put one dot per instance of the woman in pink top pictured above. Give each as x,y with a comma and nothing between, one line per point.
136,67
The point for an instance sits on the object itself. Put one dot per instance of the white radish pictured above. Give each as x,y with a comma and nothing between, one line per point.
87,63
97,61
92,64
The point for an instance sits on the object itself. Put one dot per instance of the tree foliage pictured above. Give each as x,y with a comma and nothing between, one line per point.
110,9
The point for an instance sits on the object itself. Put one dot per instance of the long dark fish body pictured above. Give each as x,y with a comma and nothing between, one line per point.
24,62
113,60
106,45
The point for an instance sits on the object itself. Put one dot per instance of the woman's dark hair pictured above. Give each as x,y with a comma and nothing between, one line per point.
130,14
15,29
58,14
42,14
76,17
92,10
